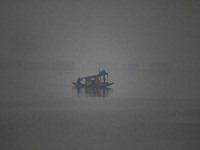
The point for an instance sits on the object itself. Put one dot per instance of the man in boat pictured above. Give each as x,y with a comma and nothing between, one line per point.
97,81
79,81
104,79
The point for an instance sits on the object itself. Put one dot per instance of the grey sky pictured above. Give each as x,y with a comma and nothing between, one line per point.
123,31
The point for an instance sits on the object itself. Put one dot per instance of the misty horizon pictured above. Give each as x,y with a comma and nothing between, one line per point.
66,65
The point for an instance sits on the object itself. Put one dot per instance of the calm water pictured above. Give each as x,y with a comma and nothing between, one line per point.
142,110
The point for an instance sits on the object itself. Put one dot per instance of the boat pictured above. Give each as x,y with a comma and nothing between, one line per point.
99,80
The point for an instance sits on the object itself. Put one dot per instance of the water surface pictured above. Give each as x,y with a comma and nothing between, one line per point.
42,110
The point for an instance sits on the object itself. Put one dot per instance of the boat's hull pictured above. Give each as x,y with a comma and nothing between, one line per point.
102,85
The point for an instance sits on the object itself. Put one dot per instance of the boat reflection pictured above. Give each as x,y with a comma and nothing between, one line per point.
93,92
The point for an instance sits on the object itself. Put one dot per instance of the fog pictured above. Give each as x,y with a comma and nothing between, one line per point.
150,50
119,36
102,31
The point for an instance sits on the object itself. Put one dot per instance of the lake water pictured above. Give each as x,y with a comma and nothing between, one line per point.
142,110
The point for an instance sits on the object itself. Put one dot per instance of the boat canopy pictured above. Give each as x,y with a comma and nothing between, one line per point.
101,73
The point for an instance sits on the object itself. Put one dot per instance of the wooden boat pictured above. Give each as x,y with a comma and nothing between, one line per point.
99,80
102,85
